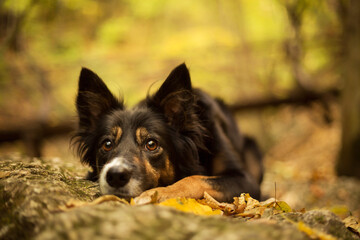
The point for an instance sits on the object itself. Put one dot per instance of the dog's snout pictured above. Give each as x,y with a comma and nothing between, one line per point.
117,178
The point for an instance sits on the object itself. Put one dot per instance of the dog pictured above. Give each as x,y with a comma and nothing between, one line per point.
178,142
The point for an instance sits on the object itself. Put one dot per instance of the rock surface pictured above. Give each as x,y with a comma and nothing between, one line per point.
32,190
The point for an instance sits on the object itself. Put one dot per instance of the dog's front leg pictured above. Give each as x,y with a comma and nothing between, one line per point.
222,188
190,187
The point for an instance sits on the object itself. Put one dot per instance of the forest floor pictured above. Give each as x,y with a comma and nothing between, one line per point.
301,163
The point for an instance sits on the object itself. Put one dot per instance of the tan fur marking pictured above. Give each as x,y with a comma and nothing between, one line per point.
151,173
167,174
117,133
141,135
136,161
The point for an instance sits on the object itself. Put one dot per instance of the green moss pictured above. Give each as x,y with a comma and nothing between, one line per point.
320,219
6,208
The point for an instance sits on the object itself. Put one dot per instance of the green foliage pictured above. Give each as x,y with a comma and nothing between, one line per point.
16,6
235,49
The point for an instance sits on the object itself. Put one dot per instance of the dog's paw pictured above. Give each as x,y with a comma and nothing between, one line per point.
154,195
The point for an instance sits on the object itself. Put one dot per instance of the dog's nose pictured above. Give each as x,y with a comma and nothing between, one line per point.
117,178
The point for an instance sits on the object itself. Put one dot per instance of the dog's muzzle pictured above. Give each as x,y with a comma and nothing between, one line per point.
117,178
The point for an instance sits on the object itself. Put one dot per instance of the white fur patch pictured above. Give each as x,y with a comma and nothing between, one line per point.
134,187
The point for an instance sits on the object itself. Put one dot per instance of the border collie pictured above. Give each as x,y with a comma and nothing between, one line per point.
178,142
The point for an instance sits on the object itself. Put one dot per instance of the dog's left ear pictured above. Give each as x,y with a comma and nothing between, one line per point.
175,97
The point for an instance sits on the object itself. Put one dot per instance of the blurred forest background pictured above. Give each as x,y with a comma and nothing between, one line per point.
280,64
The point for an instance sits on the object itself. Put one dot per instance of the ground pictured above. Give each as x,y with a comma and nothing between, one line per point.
35,193
302,163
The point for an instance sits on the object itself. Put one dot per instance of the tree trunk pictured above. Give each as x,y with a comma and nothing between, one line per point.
349,159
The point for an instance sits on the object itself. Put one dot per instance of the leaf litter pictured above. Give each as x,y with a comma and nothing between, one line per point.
244,207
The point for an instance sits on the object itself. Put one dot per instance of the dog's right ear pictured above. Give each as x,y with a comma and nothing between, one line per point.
175,98
93,99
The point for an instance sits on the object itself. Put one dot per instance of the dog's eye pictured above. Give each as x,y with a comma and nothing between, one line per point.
151,145
107,145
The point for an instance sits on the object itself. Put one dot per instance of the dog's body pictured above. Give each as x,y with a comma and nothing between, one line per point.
179,142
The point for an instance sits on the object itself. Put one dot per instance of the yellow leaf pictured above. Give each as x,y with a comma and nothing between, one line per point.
283,206
342,211
190,205
313,233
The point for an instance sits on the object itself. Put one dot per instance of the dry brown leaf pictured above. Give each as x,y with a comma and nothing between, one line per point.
4,174
73,203
150,199
227,208
247,207
353,224
252,213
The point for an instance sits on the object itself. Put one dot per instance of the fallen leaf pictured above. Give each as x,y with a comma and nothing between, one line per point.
227,208
77,203
340,210
4,174
150,199
353,224
190,205
245,199
278,205
252,213
314,233
268,203
282,206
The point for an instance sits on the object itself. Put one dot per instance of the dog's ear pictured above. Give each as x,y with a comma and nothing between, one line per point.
178,80
175,97
93,99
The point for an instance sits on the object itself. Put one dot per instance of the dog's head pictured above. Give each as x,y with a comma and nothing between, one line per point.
132,150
